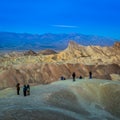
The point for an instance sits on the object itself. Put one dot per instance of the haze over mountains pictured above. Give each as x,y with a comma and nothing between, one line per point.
25,41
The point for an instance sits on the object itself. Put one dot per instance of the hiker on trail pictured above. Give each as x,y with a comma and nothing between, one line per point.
24,90
62,78
80,77
28,89
90,75
18,88
73,75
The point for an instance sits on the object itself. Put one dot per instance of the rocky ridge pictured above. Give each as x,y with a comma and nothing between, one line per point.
104,62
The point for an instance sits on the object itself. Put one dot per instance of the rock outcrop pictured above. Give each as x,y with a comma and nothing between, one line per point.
89,54
30,52
47,52
117,45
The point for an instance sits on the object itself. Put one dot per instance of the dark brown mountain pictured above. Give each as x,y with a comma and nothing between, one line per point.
117,45
30,52
47,52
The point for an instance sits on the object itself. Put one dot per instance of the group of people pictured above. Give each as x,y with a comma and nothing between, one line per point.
74,76
63,78
26,89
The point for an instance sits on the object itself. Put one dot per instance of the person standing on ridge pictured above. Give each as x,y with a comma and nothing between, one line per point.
24,90
73,75
28,89
90,75
18,88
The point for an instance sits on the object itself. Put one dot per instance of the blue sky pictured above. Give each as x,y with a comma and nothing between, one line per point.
95,17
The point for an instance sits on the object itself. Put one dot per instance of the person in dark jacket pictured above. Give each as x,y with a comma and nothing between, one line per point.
90,75
18,88
24,90
62,78
28,89
73,75
80,77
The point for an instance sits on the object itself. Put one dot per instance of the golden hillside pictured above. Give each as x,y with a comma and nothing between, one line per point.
36,68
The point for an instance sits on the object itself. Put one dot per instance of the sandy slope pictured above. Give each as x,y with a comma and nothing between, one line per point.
63,100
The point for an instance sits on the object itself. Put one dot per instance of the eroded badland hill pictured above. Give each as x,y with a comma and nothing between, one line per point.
48,66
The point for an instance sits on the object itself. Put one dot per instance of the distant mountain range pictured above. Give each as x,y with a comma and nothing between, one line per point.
25,41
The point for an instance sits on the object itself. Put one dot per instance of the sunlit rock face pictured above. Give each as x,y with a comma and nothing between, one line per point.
115,77
83,99
90,54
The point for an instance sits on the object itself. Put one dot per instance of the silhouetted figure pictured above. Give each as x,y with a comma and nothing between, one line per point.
90,75
62,78
24,90
28,89
73,75
18,88
80,77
